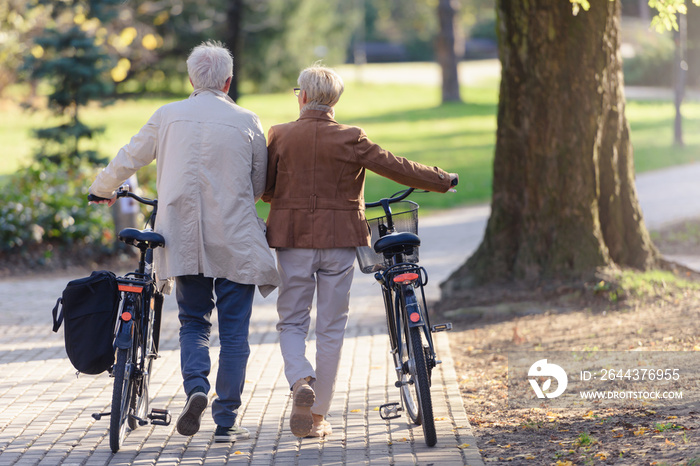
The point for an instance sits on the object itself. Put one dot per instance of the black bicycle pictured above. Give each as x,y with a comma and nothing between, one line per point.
393,258
136,333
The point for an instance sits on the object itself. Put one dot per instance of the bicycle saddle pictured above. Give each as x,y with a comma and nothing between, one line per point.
133,236
395,242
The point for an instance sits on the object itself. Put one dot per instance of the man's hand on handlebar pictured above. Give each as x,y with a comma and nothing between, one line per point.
92,199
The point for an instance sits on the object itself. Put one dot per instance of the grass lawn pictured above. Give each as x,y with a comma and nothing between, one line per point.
406,119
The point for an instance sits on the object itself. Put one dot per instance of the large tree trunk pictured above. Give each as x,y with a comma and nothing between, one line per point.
564,201
446,51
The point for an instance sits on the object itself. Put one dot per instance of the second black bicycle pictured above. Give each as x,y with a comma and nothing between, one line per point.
393,259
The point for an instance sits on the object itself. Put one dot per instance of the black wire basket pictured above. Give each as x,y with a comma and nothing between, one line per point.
405,217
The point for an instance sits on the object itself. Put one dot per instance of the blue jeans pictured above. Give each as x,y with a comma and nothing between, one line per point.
196,300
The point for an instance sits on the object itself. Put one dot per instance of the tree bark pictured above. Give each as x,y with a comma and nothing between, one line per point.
234,19
446,52
564,200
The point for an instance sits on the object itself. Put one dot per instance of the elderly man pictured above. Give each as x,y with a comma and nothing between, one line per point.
211,164
315,183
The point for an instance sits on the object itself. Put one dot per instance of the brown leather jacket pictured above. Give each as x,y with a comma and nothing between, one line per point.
316,180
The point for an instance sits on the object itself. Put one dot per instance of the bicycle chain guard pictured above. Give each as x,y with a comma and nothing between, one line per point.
390,411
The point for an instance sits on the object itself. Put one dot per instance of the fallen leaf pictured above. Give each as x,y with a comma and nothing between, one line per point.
463,446
237,452
668,442
671,417
440,418
376,408
640,431
355,410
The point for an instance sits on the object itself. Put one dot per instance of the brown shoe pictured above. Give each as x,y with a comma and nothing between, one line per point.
321,427
301,422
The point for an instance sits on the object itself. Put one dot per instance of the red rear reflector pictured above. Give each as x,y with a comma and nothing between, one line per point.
131,288
406,277
126,316
415,317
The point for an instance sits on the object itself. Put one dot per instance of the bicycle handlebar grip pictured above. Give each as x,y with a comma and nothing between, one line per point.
93,198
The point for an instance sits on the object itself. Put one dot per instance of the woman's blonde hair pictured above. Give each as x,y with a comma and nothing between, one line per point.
323,86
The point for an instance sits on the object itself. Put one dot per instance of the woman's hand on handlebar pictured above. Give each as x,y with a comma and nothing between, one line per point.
454,179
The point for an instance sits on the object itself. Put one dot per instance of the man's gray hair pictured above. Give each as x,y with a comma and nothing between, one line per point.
209,65
323,87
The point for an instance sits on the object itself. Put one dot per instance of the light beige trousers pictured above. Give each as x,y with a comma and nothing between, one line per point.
329,273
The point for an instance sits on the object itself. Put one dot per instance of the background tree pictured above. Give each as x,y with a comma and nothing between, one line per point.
19,24
446,45
564,201
281,37
68,56
234,21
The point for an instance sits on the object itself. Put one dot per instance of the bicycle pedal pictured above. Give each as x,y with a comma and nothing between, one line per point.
441,327
160,417
390,411
98,416
142,422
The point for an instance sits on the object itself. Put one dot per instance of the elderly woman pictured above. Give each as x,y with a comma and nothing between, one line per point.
315,184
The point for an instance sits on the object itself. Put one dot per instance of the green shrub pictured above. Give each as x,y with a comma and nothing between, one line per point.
46,203
652,64
484,29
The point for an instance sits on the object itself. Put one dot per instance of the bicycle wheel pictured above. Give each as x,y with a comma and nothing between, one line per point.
139,397
421,385
121,398
402,362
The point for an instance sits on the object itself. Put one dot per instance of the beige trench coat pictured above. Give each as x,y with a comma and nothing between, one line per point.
211,164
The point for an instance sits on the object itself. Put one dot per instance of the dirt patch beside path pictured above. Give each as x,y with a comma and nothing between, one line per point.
627,433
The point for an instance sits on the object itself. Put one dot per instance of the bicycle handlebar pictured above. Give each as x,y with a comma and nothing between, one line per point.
396,197
124,192
401,195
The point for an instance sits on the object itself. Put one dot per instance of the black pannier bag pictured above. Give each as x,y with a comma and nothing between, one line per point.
89,308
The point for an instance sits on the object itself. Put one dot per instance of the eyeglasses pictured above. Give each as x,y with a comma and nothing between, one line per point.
297,91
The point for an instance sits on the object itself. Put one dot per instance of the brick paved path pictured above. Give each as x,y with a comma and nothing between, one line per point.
45,410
